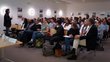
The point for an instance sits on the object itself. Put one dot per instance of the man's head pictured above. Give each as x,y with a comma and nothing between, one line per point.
59,21
7,11
90,21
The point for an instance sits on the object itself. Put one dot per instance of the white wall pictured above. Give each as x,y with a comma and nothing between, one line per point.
25,4
88,7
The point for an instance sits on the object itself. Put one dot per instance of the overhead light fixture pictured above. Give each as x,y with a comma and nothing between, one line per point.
48,13
31,12
2,10
60,13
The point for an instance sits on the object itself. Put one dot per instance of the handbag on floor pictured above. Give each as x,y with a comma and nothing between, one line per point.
39,43
58,50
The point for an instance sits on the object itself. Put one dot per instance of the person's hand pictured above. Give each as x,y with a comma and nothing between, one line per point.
11,17
77,36
38,29
71,35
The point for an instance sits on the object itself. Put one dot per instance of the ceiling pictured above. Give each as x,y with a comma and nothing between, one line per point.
70,1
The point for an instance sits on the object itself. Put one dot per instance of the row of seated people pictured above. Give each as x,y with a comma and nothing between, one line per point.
66,30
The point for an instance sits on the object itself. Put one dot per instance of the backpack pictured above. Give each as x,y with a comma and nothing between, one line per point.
47,49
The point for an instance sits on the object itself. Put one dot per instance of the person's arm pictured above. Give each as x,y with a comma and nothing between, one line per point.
9,17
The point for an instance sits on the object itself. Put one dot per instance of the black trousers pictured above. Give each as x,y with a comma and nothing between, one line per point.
7,30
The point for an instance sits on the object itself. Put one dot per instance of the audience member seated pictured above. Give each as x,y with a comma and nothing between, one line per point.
25,23
69,40
67,25
52,24
40,33
58,36
100,30
106,28
27,33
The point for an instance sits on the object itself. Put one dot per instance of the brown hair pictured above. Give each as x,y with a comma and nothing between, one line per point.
74,25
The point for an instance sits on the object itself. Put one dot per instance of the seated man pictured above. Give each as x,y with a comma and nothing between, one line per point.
27,33
90,36
58,36
39,33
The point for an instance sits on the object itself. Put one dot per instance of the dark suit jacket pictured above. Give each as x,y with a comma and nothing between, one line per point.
59,31
34,27
25,23
7,20
91,38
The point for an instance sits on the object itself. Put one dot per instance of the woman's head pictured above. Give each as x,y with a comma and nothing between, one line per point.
51,20
74,25
67,21
44,21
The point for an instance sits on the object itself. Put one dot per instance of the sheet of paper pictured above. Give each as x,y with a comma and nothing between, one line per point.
12,40
8,39
67,36
3,36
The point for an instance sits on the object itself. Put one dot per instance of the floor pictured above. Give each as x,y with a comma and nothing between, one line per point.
35,55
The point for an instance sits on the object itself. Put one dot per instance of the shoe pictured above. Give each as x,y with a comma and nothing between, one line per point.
72,51
30,44
73,57
21,45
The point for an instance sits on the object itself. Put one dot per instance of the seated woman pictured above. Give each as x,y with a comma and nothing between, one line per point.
52,23
69,40
66,25
50,29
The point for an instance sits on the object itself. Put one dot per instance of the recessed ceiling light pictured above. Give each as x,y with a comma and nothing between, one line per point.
31,12
60,13
48,13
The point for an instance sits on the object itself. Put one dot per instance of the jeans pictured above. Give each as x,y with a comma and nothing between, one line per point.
26,36
37,35
68,42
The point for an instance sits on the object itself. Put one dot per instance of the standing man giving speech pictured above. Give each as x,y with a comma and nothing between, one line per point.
7,21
